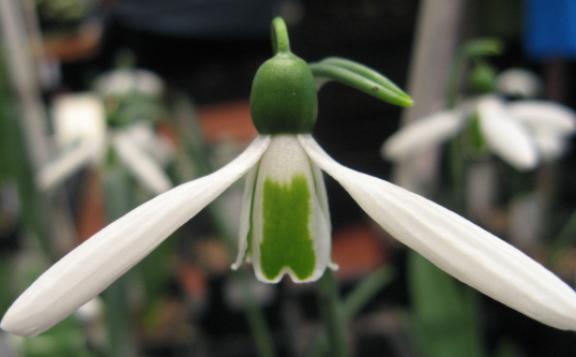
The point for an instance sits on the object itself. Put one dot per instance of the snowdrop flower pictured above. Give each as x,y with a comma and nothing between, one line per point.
125,81
81,137
285,226
504,136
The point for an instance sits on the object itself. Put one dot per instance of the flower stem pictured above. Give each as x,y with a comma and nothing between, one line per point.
354,302
256,319
333,314
280,39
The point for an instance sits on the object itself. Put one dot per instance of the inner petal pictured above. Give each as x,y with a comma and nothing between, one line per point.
286,215
286,237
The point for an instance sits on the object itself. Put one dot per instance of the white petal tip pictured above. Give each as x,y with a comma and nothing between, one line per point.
16,326
526,164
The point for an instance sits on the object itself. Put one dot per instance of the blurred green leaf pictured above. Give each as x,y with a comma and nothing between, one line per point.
365,291
482,47
507,349
118,196
65,339
444,312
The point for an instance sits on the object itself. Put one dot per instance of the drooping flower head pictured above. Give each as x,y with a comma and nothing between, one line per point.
524,132
285,224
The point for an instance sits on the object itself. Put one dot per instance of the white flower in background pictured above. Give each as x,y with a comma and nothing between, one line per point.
550,125
125,81
521,133
81,136
518,82
286,230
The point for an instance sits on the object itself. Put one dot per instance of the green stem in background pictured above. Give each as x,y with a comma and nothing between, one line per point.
563,239
196,148
444,310
454,81
354,302
256,318
472,50
457,170
333,314
19,169
365,291
117,189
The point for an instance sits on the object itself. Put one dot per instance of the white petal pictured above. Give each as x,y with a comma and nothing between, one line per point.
518,82
245,216
57,171
143,167
550,146
99,261
547,117
283,163
462,249
422,134
156,146
323,222
124,81
506,137
79,117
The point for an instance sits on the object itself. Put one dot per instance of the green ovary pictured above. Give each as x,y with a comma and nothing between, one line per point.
286,239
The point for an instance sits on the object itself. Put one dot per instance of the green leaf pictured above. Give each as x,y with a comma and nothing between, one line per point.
365,291
65,339
444,312
482,47
363,78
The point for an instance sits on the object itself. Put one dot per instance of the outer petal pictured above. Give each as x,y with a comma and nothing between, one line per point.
506,137
142,166
424,133
99,261
546,117
245,217
55,172
464,250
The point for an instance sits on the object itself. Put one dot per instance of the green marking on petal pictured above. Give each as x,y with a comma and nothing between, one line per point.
286,239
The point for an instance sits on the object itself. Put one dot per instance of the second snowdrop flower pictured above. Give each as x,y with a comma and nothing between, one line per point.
84,140
522,133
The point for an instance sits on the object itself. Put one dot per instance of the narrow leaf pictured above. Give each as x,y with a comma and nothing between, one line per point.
363,78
